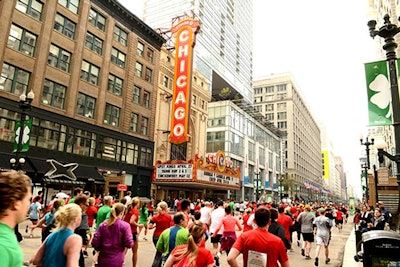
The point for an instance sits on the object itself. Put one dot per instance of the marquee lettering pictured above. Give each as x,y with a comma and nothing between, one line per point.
184,32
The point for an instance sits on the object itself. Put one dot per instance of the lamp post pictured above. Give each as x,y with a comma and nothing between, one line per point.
376,183
25,104
366,189
280,188
257,174
388,32
367,144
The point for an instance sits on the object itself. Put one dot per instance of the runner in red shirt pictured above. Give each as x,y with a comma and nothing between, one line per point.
132,217
286,221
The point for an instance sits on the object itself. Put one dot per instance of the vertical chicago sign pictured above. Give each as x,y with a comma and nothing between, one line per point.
185,32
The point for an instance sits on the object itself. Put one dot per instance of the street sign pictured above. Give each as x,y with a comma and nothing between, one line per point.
383,176
122,187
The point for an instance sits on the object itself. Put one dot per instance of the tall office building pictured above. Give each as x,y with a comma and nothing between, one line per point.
278,98
223,51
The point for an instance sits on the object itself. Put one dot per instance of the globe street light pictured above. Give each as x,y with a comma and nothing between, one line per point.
367,144
388,31
365,175
25,104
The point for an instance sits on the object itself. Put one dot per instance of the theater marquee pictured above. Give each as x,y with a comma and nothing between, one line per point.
200,171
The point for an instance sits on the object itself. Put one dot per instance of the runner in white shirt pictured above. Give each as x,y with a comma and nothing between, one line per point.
323,235
216,218
205,213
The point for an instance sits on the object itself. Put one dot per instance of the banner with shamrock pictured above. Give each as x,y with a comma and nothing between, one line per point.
25,135
378,90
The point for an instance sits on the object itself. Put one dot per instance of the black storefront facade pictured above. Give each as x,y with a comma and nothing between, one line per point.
98,151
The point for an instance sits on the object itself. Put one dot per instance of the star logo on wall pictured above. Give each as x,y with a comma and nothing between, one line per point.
61,170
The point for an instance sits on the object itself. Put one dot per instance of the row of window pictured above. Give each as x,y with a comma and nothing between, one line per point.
270,89
24,41
15,80
58,137
235,144
67,27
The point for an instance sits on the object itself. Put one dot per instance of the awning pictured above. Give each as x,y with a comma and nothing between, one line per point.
89,172
48,181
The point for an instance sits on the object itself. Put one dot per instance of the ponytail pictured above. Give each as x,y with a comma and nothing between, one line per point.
196,233
116,210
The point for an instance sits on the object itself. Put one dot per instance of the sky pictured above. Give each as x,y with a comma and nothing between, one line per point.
324,45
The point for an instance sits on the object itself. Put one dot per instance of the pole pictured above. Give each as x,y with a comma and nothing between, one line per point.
20,137
391,58
388,31
376,183
257,174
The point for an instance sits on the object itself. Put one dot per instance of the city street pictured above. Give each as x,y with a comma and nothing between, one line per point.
147,250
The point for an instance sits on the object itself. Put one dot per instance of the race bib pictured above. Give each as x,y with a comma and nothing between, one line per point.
256,259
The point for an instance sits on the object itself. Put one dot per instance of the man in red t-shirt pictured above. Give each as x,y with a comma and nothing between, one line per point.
259,245
286,221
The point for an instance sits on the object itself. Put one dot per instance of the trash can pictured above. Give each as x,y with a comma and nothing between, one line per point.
358,240
381,248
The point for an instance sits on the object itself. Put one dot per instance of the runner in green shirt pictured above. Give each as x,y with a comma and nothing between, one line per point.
104,211
166,243
15,194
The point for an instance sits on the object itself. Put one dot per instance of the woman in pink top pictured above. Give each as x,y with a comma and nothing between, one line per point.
229,235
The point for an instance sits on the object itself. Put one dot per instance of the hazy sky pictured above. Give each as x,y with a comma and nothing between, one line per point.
324,45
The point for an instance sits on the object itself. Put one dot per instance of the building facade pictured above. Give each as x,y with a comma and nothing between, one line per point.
251,144
278,98
93,68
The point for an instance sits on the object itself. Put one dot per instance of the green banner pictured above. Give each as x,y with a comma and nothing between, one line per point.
26,135
378,90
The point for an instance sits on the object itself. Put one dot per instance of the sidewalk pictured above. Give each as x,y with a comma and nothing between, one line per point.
350,251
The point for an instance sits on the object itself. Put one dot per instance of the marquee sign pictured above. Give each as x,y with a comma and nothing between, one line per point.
185,32
213,170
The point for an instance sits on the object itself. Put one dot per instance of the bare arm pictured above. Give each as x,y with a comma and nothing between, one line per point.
40,223
37,259
285,264
238,224
170,261
72,248
231,259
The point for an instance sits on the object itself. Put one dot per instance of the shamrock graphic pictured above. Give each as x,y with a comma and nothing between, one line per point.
25,136
382,99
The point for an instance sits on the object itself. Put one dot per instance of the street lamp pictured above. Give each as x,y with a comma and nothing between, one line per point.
388,32
25,104
367,144
257,174
366,189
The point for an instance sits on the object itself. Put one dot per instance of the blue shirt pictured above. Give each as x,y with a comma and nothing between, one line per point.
54,250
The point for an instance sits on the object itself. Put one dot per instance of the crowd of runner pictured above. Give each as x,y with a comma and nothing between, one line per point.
262,232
